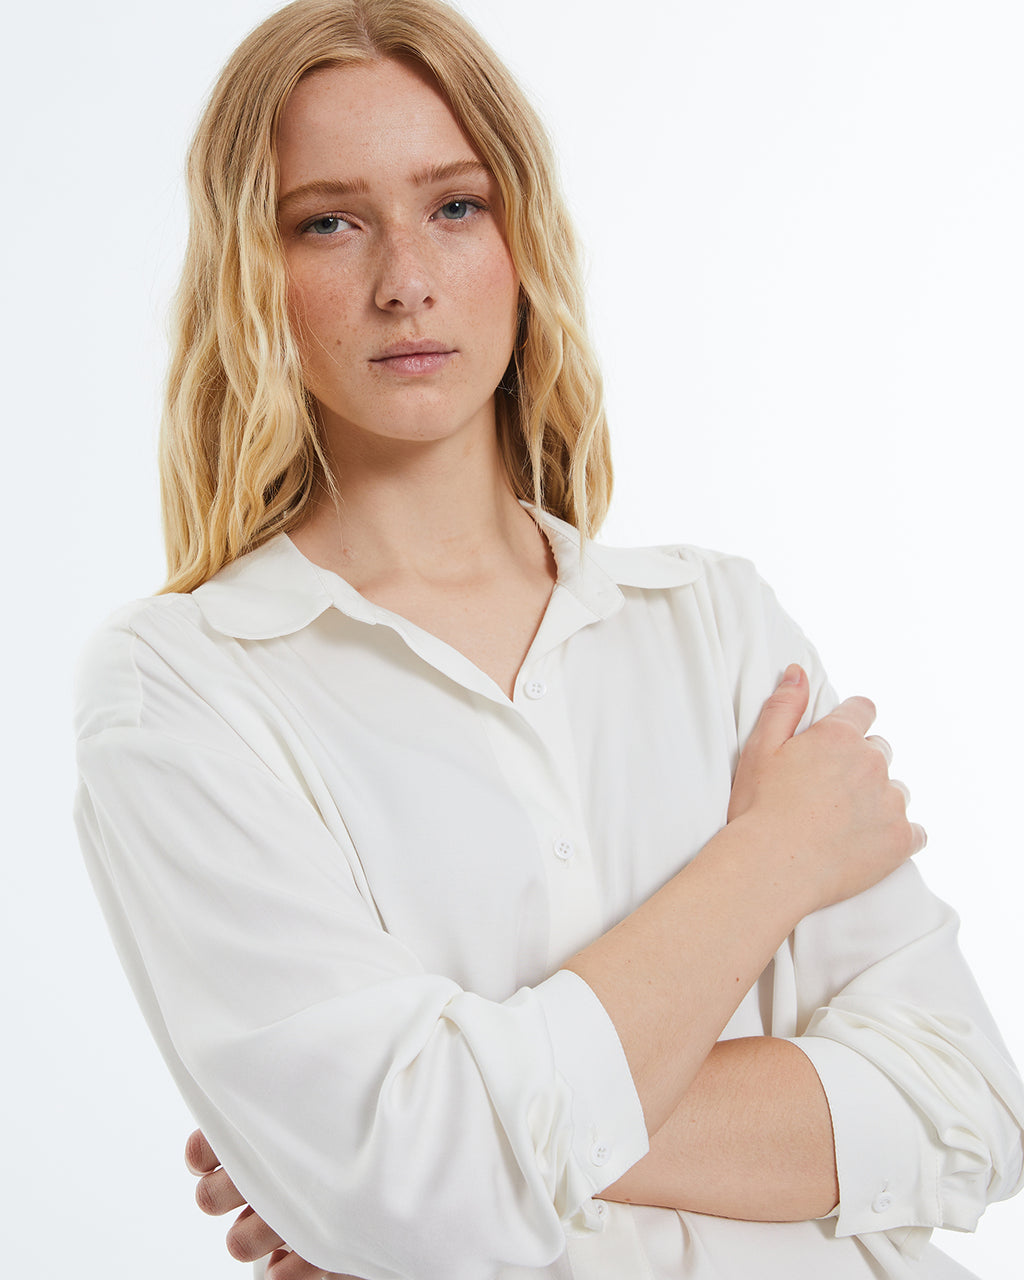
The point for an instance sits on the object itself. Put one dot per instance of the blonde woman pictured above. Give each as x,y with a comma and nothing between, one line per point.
493,904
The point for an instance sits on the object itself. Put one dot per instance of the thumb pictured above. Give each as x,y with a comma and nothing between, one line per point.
781,714
776,724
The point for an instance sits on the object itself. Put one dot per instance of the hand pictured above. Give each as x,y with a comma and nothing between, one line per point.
824,797
250,1238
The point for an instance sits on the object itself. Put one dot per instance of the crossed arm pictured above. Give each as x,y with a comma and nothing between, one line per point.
738,1128
752,1139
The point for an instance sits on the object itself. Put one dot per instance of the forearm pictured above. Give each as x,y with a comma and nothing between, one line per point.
752,1139
813,820
685,959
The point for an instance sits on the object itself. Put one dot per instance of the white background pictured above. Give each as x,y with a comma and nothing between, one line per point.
804,223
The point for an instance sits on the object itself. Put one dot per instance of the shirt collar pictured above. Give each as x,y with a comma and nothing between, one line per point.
272,591
606,567
275,590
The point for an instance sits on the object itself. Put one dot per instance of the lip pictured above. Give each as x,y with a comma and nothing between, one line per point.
416,358
413,347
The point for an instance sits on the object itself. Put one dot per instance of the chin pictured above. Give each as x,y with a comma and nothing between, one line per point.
441,423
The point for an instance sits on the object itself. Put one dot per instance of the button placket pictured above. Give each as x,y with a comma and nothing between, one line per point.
536,750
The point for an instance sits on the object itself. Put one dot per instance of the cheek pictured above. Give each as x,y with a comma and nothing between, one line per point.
310,302
321,322
319,329
493,296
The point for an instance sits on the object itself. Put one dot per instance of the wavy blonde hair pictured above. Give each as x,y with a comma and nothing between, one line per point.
240,447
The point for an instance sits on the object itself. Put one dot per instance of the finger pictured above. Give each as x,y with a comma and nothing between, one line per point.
199,1155
250,1238
860,712
289,1266
880,744
920,837
217,1194
781,714
902,788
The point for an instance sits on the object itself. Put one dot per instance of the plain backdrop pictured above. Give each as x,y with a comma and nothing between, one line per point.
803,227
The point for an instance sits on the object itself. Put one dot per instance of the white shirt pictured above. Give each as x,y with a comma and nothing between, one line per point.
342,870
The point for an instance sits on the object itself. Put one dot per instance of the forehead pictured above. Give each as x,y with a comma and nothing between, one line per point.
377,120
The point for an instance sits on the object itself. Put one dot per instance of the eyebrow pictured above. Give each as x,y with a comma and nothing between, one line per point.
335,187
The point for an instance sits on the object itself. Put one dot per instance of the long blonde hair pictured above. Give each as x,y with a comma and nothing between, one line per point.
240,447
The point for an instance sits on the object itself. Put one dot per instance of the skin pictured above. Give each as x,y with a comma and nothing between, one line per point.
393,253
428,526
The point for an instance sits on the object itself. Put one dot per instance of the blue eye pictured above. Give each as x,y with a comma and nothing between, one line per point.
327,225
457,210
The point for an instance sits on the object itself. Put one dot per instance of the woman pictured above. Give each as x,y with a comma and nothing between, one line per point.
474,942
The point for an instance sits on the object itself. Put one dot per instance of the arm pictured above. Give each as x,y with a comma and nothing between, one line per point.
888,936
693,950
308,1041
752,1136
751,1139
755,1104
912,1096
926,1107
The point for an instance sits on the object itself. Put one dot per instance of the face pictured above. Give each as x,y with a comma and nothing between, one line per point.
402,292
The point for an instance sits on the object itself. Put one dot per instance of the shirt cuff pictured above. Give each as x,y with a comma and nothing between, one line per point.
609,1134
888,1165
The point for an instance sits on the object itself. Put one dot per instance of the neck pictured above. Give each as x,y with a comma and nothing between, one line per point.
437,511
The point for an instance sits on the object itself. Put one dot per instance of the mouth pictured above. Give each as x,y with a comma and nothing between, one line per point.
416,356
414,347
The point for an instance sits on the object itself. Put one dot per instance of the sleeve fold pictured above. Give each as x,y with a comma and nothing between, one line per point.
384,1121
927,1106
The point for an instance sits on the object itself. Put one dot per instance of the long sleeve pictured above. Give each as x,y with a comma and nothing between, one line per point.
927,1107
385,1120
343,868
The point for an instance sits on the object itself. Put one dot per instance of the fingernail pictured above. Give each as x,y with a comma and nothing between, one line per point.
792,674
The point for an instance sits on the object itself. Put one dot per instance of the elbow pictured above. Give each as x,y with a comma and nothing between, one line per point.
426,1239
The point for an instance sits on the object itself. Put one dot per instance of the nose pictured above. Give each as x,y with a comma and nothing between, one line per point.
403,275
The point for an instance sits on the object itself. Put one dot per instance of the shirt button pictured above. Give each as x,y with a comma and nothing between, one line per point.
599,1153
882,1202
600,1208
535,689
564,849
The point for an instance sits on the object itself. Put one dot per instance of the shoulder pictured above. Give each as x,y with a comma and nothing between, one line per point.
735,610
743,604
110,679
720,574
